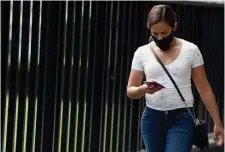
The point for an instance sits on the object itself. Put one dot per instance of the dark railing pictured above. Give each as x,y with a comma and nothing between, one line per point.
65,67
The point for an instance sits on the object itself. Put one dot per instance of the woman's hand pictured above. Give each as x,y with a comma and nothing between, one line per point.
219,133
150,89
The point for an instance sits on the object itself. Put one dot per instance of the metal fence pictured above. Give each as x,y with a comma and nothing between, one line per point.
65,67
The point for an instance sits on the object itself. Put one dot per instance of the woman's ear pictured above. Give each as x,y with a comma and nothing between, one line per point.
175,26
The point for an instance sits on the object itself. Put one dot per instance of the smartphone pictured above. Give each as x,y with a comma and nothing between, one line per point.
153,83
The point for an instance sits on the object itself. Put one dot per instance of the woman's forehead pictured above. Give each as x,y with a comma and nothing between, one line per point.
160,27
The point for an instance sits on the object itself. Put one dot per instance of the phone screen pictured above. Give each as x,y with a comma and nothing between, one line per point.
153,83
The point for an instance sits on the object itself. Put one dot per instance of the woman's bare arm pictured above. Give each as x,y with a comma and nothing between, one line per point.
135,89
206,93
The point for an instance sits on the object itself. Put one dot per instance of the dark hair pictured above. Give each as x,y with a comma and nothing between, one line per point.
161,13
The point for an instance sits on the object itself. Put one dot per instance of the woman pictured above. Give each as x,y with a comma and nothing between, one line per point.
166,125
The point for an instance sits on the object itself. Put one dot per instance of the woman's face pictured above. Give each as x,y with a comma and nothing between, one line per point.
161,29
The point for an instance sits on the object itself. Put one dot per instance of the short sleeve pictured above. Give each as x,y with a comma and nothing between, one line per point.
137,61
197,57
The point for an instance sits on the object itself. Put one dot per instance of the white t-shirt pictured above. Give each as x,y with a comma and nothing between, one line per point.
180,69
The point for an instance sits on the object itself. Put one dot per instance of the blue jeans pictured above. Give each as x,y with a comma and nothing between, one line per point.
169,131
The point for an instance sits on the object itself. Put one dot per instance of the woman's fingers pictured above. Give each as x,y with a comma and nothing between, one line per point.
151,89
220,142
219,139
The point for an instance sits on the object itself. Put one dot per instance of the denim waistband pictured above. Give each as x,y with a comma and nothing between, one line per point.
178,110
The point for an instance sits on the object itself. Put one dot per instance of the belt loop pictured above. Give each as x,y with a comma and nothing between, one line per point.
166,113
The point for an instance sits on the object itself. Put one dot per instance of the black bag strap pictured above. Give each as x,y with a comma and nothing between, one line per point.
174,83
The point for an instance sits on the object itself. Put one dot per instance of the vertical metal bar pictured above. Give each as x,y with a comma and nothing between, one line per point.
139,105
114,77
63,79
107,79
142,108
68,127
7,78
17,80
140,116
78,78
56,85
45,79
27,80
86,78
211,66
130,125
37,79
103,83
71,77
128,59
127,74
93,78
60,125
139,124
125,108
121,82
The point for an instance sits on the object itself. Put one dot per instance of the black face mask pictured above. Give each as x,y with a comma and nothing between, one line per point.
164,43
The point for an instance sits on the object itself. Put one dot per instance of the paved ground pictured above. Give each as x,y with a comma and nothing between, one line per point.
213,148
